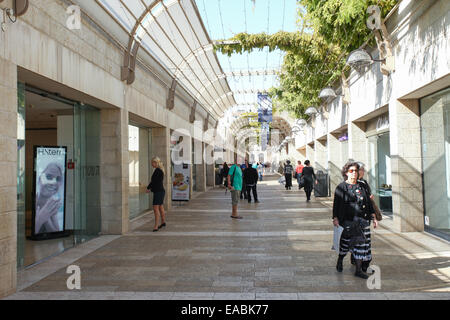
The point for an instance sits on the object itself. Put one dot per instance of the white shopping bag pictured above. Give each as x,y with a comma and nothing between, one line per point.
282,180
337,238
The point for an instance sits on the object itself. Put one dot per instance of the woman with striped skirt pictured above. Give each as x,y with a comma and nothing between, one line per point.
353,210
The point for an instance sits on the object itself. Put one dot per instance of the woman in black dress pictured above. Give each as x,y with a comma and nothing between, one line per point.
157,187
353,210
307,176
225,174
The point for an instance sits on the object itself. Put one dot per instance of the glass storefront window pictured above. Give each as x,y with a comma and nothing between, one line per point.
139,170
21,176
435,130
379,171
48,120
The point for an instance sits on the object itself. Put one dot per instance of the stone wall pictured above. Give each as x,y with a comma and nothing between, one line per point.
8,177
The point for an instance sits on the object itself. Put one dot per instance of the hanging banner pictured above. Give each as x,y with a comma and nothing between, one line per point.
264,108
49,191
180,182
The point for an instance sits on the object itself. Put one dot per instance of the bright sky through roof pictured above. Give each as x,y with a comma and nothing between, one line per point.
225,18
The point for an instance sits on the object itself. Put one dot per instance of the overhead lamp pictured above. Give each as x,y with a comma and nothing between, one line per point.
311,111
359,59
328,94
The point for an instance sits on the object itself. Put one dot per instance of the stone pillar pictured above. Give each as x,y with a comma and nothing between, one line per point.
201,166
335,163
310,154
114,171
357,142
210,168
161,149
8,178
321,156
406,164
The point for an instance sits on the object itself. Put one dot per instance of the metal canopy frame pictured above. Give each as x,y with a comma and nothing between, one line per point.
191,62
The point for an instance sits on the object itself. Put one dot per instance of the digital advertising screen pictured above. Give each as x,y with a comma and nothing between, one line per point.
49,190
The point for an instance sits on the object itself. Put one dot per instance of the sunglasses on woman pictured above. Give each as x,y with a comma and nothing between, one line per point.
352,170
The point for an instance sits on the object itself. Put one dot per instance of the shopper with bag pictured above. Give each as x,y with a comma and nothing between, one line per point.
250,177
234,179
298,174
353,210
309,178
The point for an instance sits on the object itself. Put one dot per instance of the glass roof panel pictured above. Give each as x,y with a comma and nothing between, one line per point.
173,33
245,72
120,13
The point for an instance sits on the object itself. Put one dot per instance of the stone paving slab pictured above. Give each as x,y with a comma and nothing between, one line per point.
280,250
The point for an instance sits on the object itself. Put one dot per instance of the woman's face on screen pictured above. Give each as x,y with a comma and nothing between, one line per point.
51,180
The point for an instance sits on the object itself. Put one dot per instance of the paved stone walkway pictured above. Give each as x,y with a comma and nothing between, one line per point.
280,250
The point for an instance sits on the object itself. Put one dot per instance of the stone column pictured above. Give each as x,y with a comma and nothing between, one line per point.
161,149
310,154
406,164
114,171
357,142
210,168
321,156
8,178
201,166
335,163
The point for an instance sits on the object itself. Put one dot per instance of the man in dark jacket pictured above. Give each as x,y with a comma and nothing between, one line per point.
250,178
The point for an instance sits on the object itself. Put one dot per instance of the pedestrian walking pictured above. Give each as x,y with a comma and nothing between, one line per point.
353,210
298,174
157,187
243,194
235,185
288,170
260,171
224,175
309,177
250,177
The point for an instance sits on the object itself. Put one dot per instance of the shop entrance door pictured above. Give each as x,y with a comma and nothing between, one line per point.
86,169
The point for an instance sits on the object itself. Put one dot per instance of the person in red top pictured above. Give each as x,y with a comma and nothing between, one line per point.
299,170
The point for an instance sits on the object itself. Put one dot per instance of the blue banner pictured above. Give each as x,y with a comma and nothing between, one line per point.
264,108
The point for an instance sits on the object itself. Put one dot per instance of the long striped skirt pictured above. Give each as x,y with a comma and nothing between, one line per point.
360,251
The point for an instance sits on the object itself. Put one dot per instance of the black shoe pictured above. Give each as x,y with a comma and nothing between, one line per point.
365,267
155,230
256,201
249,201
359,273
163,225
339,266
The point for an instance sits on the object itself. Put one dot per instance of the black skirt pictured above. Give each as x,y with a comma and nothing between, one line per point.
158,198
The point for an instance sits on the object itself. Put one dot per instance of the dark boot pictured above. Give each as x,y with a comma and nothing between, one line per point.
359,273
365,267
339,266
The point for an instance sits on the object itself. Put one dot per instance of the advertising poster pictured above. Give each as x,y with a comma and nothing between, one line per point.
49,190
180,182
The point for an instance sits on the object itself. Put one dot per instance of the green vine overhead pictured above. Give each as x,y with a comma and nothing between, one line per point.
315,56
